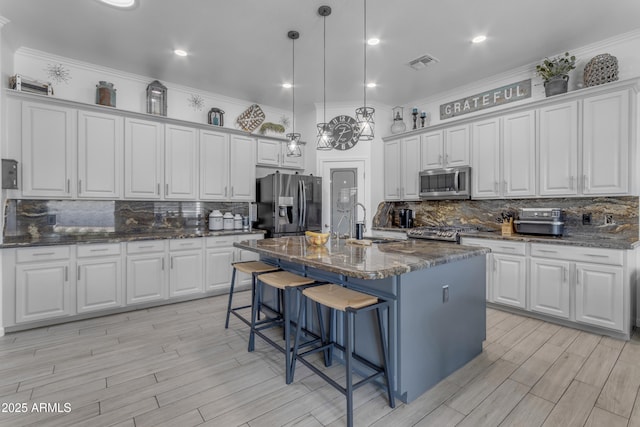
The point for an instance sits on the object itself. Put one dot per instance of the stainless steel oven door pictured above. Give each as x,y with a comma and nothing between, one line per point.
445,183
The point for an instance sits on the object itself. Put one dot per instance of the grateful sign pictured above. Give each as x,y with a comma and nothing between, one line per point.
488,99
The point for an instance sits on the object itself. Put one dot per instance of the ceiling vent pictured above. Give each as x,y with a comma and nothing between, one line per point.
422,62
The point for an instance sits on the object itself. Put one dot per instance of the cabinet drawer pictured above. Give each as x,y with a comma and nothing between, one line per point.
243,237
574,253
184,244
146,246
47,253
215,242
98,250
498,246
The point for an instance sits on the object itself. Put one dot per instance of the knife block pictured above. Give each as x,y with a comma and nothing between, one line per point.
507,228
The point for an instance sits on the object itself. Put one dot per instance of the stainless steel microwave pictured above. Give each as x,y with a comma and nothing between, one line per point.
446,183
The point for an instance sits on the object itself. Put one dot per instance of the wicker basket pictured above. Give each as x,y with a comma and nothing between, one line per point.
601,69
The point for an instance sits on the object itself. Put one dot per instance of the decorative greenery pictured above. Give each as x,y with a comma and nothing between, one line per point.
558,66
273,127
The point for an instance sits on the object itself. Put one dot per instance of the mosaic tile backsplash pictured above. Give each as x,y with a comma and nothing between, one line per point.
484,213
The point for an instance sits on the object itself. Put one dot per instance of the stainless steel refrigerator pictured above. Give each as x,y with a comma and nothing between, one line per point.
289,204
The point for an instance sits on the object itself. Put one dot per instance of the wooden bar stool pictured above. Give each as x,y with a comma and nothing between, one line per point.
350,302
248,267
285,282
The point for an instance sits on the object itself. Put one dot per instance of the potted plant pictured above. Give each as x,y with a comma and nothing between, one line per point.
555,73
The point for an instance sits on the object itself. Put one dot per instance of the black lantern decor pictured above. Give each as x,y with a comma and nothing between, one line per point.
157,98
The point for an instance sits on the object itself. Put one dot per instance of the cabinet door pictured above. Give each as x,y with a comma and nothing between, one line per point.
509,280
145,278
143,146
558,166
185,273
456,146
605,144
432,150
392,175
181,165
42,291
485,173
218,268
519,154
269,152
99,284
549,288
599,295
410,168
48,138
100,147
243,168
214,165
293,161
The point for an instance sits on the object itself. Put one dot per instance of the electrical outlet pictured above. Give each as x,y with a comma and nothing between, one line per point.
51,219
586,219
608,219
445,293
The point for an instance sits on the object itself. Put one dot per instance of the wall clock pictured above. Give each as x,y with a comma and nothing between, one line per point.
344,130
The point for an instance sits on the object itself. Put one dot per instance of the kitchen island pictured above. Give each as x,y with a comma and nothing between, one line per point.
437,316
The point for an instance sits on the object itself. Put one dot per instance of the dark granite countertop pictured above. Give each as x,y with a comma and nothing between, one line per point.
364,262
604,241
114,237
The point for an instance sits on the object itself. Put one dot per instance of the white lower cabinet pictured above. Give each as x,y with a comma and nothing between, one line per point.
599,295
146,274
218,258
550,287
185,267
99,277
509,280
43,288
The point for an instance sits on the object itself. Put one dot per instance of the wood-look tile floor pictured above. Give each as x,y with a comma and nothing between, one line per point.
176,365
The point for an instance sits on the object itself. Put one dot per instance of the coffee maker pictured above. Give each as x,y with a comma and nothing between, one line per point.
406,218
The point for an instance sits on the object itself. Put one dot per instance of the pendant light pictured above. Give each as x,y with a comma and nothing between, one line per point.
293,144
364,114
324,130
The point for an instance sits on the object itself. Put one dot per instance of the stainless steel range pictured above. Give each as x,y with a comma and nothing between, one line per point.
444,234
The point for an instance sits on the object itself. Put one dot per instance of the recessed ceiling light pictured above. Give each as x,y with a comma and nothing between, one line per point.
373,41
478,39
180,52
287,85
371,85
120,3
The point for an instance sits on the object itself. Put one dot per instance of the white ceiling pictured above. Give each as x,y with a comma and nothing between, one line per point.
239,48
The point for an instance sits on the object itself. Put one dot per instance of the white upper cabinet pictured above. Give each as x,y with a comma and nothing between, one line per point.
503,156
274,153
605,144
242,162
445,148
456,146
402,168
558,130
100,154
48,139
181,163
214,165
143,159
392,180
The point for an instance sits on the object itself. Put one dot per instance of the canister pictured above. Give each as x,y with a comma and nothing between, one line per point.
237,222
215,220
227,221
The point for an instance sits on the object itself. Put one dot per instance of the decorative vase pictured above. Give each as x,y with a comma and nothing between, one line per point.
556,85
105,94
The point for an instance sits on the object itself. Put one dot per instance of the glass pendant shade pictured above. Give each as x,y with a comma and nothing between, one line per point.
293,145
324,137
366,123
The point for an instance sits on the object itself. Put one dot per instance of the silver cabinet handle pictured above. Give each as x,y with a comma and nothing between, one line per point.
66,273
440,158
232,191
225,191
79,186
166,189
99,250
509,248
564,273
585,182
547,251
504,188
446,159
158,189
571,180
43,253
398,191
597,256
78,272
171,263
495,186
68,185
162,263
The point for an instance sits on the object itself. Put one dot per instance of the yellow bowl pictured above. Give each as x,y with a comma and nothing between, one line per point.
316,239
